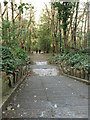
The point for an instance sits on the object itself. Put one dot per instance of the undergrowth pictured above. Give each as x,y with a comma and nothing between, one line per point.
76,60
12,58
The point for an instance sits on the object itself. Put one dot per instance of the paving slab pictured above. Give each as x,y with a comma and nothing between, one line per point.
48,97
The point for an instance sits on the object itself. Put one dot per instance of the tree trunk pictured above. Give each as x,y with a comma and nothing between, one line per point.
88,16
20,12
60,36
88,30
12,12
1,24
55,36
65,39
20,25
0,15
75,28
52,26
85,40
30,41
54,33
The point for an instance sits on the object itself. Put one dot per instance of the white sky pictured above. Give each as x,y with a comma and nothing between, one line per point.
38,5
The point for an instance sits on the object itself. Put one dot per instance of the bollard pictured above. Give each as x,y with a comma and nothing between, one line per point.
78,73
86,75
72,73
82,74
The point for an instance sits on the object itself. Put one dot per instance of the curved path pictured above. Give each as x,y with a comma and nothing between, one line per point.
48,94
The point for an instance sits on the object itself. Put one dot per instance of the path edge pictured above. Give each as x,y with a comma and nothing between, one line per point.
4,104
73,77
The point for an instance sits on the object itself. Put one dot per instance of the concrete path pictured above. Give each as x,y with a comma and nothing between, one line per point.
47,94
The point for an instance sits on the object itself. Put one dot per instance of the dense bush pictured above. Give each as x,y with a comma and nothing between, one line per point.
8,60
20,54
76,60
12,58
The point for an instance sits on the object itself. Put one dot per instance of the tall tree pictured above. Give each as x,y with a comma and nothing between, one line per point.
59,17
75,27
45,32
54,27
31,26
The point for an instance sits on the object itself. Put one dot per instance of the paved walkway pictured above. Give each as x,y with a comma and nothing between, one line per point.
47,94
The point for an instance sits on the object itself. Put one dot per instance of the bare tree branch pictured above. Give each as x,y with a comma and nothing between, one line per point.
4,11
47,11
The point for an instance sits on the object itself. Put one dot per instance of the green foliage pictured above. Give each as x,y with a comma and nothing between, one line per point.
44,33
8,61
5,3
11,59
15,37
9,33
86,50
79,61
6,24
76,60
24,5
64,11
45,43
20,53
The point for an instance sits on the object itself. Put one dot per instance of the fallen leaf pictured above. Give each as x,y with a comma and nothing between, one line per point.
18,105
24,113
3,112
26,84
55,105
35,96
9,107
35,100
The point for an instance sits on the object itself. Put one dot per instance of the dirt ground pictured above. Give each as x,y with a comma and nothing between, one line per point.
39,57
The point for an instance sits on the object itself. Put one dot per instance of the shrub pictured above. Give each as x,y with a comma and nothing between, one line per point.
8,60
13,58
77,60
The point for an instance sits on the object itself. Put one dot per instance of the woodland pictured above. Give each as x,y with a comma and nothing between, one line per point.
63,31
